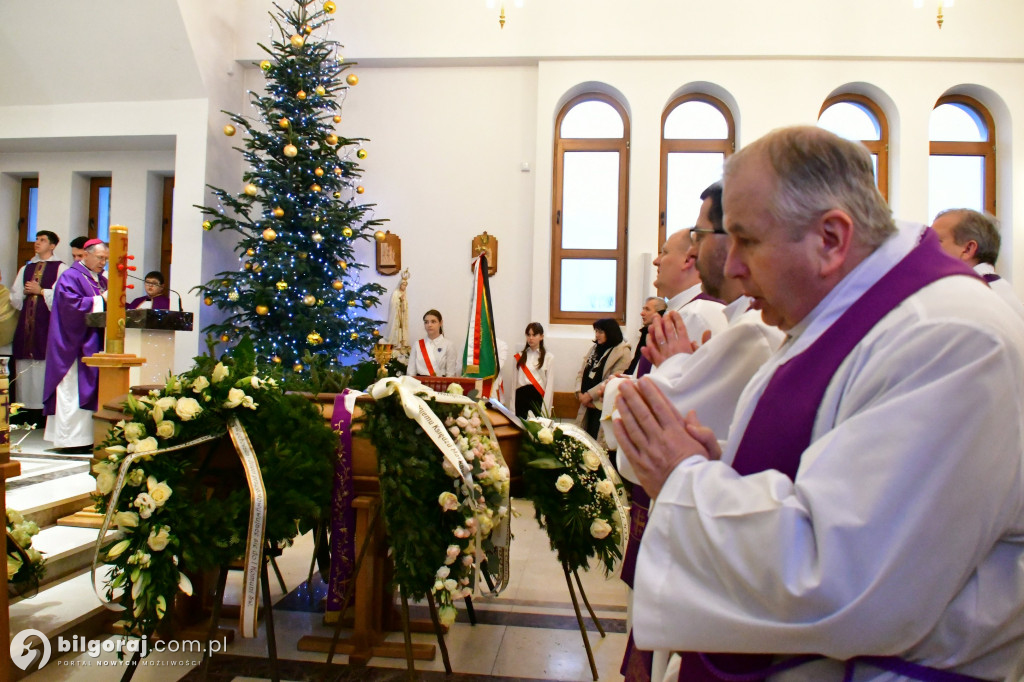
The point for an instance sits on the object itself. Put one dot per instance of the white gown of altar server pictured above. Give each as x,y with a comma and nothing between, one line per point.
920,430
444,355
1003,288
699,315
711,379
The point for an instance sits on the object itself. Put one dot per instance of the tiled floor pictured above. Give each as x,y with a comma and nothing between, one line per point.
529,632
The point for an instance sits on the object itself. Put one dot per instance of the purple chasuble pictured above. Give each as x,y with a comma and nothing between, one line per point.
70,340
34,319
343,516
159,302
782,424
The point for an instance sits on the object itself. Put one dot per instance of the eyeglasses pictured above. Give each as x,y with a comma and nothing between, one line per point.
153,284
698,233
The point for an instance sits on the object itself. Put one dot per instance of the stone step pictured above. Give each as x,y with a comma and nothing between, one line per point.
67,551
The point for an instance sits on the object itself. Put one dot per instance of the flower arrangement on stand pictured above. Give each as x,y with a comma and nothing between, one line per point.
577,495
25,565
445,514
166,527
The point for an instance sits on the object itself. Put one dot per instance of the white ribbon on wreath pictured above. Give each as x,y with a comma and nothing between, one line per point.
416,408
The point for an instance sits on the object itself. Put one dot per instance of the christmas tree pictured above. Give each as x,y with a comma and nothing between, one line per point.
299,288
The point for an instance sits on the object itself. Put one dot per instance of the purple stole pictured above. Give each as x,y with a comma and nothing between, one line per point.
782,424
34,320
990,277
159,302
70,339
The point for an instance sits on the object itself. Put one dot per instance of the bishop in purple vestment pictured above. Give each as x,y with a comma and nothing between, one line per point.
71,389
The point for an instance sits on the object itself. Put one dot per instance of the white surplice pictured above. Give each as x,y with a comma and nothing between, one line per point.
700,315
903,533
1003,288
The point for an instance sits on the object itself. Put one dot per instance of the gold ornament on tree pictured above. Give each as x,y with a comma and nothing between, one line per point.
314,339
338,285
207,225
284,122
337,118
276,359
251,189
257,267
319,172
233,296
250,252
278,212
309,299
265,65
379,235
317,237
352,79
346,232
269,234
301,94
320,90
297,367
281,285
329,7
297,41
290,150
360,189
224,338
229,130
315,188
361,154
207,300
262,310
332,139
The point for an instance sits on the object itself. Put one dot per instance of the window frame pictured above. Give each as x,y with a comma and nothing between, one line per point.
558,254
726,147
166,247
95,184
985,149
879,147
26,248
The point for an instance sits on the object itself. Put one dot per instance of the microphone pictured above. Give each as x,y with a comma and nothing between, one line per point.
141,279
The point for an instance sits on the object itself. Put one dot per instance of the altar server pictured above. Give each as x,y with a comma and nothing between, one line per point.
154,298
32,295
868,505
533,376
70,396
434,355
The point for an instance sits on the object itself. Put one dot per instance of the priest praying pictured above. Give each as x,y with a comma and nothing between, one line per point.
71,388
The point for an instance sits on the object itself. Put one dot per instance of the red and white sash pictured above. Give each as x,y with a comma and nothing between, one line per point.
426,358
529,375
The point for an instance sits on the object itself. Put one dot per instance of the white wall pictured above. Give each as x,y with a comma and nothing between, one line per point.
454,106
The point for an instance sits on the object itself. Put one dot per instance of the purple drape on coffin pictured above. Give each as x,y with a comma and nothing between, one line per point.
70,340
343,516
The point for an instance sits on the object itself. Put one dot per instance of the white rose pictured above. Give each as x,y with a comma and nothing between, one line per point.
235,397
443,572
220,373
14,517
448,501
600,529
254,381
591,460
247,401
136,478
116,450
188,408
605,487
158,540
158,492
157,413
564,483
126,519
102,466
146,445
105,482
199,384
165,429
446,615
451,585
167,403
145,504
20,537
545,436
454,389
133,431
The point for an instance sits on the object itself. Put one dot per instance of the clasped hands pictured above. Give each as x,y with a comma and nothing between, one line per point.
655,436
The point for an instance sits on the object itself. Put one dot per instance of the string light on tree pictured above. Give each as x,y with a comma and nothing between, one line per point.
300,224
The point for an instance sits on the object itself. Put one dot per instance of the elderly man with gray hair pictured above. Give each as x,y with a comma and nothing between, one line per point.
973,237
865,517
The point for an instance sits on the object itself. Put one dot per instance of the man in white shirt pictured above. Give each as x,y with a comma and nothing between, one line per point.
973,237
868,505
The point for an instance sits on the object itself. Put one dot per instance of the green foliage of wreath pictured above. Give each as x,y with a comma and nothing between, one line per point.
168,523
573,498
433,546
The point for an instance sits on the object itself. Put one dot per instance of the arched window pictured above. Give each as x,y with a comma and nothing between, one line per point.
697,133
962,161
860,119
588,212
